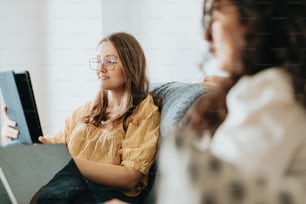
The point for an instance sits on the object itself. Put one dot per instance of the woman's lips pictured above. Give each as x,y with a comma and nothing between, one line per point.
103,77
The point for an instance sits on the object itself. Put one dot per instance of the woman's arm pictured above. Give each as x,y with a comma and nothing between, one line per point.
108,174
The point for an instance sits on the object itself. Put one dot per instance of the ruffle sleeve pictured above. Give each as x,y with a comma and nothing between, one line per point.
141,140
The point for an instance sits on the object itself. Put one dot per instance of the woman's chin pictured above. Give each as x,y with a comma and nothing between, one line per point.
104,86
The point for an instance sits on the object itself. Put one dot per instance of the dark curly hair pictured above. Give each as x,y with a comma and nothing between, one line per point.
275,37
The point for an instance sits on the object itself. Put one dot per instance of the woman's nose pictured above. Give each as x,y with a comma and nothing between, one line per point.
102,67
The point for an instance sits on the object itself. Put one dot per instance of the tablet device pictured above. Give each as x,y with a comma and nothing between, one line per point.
18,96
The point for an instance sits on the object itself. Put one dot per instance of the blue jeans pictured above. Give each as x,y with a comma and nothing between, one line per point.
69,186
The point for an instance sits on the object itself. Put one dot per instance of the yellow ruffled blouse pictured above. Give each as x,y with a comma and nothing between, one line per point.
135,148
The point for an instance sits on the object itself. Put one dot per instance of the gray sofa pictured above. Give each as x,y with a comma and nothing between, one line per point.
176,98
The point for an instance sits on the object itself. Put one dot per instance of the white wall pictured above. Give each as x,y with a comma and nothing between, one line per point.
71,32
170,32
55,38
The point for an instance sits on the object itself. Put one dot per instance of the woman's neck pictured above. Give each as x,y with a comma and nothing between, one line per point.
114,99
116,106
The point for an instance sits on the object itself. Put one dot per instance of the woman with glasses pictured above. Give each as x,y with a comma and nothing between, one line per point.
112,139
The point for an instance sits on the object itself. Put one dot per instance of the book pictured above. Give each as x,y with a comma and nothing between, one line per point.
24,169
18,96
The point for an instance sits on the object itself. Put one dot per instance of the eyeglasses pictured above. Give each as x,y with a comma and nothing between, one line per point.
108,63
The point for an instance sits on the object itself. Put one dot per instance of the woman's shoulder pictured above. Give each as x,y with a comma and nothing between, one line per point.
146,108
271,84
147,104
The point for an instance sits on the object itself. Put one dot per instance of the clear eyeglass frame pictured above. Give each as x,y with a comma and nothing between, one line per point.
108,63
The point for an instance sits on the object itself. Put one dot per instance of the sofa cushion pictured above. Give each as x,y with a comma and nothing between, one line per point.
177,97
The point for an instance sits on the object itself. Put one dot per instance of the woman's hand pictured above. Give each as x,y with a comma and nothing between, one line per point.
43,140
9,131
213,80
115,201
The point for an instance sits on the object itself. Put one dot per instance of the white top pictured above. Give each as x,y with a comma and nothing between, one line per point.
265,129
